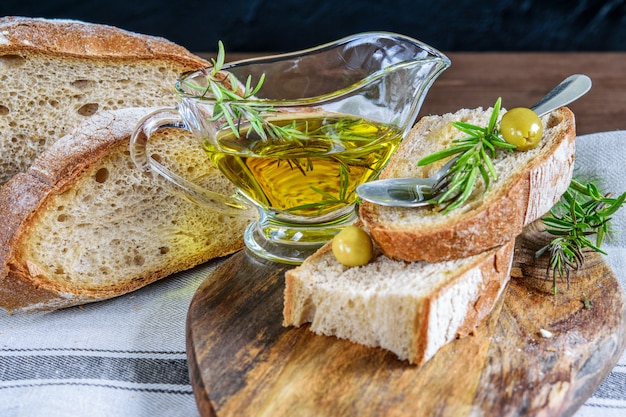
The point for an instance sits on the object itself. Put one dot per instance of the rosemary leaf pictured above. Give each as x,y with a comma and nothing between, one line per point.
258,86
437,156
494,115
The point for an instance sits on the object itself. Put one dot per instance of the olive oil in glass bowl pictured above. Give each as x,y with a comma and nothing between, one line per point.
324,121
309,176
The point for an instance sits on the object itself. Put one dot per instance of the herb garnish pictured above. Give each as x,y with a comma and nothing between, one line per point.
232,104
474,153
582,212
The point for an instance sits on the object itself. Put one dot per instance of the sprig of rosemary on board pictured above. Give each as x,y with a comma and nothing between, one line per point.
474,153
582,213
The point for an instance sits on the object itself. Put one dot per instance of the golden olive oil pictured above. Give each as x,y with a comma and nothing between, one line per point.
310,166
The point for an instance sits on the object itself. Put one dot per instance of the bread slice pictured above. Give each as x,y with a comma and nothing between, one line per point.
55,74
83,224
528,185
409,308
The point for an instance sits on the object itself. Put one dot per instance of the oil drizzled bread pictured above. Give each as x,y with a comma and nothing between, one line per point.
529,183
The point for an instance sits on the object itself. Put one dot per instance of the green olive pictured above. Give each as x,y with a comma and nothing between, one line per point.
521,127
352,246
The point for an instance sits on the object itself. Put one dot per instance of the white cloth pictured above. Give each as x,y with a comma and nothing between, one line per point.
603,156
126,356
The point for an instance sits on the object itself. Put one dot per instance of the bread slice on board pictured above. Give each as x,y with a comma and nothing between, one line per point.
412,309
55,74
529,183
83,224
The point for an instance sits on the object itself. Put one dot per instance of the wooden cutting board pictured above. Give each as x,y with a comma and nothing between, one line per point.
244,363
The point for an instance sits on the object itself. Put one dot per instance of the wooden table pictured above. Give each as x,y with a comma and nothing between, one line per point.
478,79
225,321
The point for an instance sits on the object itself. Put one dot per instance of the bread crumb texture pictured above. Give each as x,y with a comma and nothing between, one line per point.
114,223
409,308
57,73
50,96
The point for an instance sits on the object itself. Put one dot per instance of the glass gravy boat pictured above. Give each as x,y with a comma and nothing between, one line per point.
330,118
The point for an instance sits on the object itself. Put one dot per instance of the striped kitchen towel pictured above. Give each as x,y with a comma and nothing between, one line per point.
126,357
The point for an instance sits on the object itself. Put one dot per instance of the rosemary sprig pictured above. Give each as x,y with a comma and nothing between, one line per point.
474,155
582,212
327,198
232,102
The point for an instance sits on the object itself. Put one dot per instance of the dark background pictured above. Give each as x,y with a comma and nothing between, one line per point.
287,25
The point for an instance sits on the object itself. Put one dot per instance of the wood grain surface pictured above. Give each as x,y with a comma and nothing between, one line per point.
478,78
244,363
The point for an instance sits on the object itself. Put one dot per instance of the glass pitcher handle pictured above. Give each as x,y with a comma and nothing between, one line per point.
170,118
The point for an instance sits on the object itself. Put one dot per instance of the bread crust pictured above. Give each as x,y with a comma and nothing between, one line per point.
76,39
525,197
22,286
22,198
496,273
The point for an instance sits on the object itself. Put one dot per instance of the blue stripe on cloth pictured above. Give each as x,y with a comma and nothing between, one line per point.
136,370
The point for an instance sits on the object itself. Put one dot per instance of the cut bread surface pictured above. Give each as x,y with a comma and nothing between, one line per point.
58,73
84,224
412,309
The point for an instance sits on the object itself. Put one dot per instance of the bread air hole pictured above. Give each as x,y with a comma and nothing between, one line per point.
164,250
82,84
88,109
102,175
12,61
4,110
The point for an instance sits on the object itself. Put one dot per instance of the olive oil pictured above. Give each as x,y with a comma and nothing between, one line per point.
310,165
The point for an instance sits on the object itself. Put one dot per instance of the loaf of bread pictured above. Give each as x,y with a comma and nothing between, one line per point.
55,74
412,309
529,183
83,224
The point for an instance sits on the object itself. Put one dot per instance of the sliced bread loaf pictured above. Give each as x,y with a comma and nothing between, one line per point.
83,224
57,73
528,185
409,308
